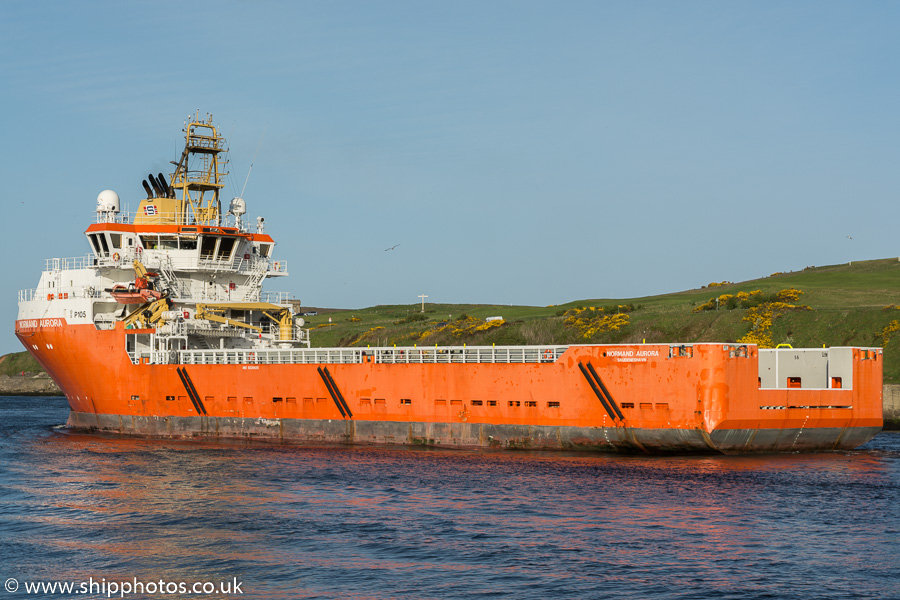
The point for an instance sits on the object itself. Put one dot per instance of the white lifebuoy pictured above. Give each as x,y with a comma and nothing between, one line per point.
276,266
251,357
138,251
116,256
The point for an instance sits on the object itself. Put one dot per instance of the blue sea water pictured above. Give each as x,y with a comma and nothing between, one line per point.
362,522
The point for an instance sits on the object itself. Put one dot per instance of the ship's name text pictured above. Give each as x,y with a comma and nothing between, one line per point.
40,323
632,353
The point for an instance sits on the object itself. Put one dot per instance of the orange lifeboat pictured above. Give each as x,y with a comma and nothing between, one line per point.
130,294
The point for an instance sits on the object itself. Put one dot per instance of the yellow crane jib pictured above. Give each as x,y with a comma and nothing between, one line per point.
278,314
148,314
213,312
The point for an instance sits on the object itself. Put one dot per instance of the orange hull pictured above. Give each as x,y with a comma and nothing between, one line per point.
643,398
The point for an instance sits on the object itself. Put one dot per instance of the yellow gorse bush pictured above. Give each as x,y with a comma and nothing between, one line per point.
789,295
889,330
763,315
730,301
464,325
591,320
367,336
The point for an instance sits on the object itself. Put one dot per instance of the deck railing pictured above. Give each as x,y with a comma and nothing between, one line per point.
440,354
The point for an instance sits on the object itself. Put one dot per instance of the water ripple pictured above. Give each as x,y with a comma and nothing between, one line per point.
365,522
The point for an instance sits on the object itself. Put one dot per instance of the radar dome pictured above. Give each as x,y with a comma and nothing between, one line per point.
238,206
108,201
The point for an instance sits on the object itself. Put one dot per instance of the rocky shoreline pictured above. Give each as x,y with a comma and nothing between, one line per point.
29,384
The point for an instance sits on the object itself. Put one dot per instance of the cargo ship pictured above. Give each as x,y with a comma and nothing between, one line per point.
163,329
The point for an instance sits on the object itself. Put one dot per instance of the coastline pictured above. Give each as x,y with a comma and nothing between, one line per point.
30,384
891,399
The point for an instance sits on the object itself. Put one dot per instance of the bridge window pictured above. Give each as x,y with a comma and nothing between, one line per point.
208,247
94,243
226,245
168,242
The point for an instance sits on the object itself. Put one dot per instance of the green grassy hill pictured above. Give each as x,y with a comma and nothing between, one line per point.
850,305
15,363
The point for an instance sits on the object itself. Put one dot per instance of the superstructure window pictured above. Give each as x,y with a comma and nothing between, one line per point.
116,240
103,244
264,250
226,245
208,247
189,242
168,242
94,244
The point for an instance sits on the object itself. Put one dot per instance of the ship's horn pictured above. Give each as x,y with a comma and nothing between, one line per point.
155,185
167,192
147,188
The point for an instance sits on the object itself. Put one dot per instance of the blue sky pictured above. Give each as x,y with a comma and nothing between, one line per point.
519,152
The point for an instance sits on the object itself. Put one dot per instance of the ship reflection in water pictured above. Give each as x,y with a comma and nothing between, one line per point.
292,522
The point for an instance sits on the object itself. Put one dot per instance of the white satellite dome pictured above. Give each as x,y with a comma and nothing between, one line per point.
238,207
108,201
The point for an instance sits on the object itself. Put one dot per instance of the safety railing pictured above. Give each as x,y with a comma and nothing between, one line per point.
67,264
436,355
158,217
275,297
61,293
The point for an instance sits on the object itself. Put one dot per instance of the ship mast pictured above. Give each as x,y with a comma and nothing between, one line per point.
200,182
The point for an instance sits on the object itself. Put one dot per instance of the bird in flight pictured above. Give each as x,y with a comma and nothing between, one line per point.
391,248
849,237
